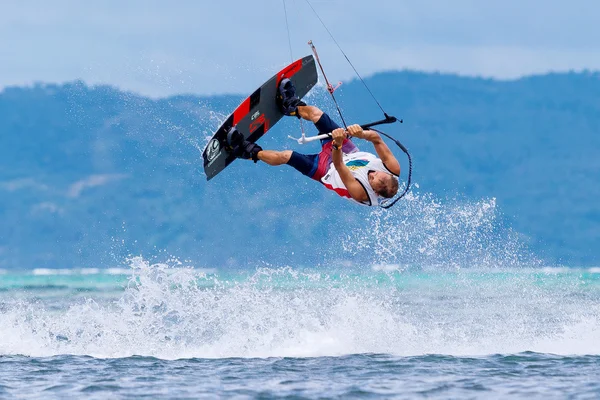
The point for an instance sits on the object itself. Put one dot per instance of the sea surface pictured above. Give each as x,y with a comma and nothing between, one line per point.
383,331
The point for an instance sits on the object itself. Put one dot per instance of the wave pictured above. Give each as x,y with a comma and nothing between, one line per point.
79,271
176,313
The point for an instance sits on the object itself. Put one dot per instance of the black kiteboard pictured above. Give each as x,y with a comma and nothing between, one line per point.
257,114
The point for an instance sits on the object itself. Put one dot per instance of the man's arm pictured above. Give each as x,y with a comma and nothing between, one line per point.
383,151
356,190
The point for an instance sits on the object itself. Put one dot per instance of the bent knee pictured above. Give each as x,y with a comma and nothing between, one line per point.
285,155
314,114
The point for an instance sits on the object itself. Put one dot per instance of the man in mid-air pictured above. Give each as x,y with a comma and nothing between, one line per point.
340,166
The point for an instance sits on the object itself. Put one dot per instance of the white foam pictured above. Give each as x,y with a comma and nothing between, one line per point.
89,271
387,267
117,271
556,270
51,271
178,313
96,271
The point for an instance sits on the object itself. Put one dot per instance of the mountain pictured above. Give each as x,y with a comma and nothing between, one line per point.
89,175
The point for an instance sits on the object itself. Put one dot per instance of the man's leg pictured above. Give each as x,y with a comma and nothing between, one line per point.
310,113
274,158
324,124
305,164
291,105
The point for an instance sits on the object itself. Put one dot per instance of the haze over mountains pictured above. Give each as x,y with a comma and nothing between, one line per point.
89,175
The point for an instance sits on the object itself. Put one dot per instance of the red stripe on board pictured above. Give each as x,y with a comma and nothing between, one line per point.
262,120
241,111
257,123
289,71
244,108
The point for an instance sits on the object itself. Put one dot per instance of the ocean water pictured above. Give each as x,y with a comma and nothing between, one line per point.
363,331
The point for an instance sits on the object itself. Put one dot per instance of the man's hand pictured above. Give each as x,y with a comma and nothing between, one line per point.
338,135
356,131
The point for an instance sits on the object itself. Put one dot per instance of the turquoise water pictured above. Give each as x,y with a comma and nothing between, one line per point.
380,331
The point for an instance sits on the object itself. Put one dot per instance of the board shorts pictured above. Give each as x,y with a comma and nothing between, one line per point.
315,166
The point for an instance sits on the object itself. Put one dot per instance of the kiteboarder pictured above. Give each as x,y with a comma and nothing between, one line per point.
362,177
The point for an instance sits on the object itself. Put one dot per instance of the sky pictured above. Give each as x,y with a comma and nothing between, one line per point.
204,47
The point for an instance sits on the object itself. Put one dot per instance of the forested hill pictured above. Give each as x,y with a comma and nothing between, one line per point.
89,174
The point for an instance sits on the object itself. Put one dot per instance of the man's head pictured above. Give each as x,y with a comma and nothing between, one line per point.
384,184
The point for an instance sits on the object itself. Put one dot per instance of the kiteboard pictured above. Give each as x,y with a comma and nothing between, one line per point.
257,114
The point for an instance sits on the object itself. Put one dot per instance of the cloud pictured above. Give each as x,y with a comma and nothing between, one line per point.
23,183
500,62
91,181
205,47
47,207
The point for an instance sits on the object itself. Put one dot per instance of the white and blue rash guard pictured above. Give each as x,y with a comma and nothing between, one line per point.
360,164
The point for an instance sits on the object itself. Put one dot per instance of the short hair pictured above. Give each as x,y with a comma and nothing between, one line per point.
391,187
